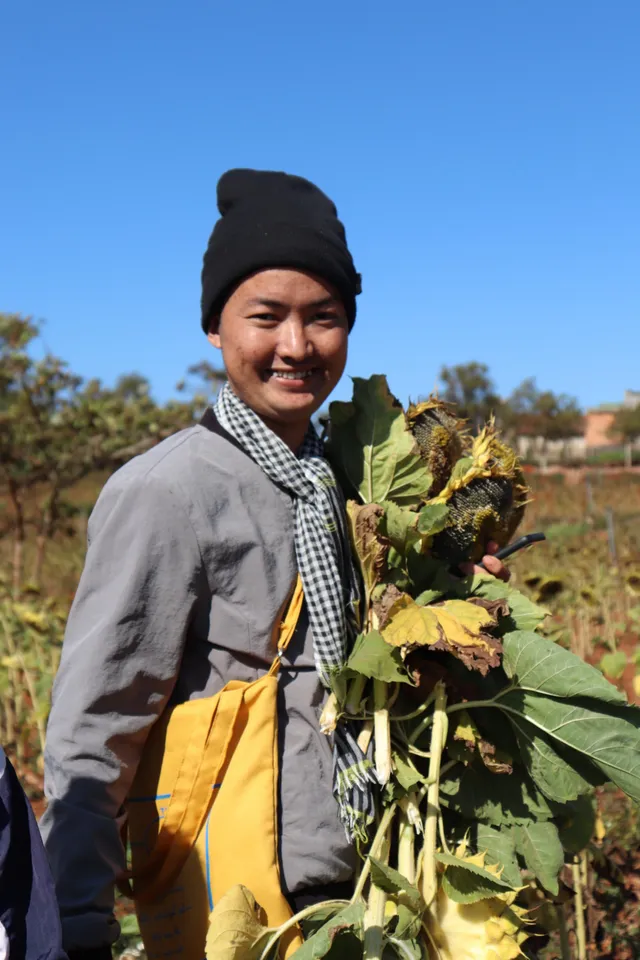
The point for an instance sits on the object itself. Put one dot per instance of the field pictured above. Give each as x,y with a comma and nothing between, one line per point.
587,574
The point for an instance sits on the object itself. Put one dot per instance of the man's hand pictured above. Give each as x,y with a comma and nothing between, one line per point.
495,567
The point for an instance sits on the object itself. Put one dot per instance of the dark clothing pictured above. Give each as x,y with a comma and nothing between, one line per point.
29,917
271,220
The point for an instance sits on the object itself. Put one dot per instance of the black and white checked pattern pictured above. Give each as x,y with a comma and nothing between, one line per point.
328,576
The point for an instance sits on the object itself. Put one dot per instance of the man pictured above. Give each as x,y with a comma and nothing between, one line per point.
193,550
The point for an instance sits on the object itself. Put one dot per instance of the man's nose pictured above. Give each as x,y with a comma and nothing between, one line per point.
294,342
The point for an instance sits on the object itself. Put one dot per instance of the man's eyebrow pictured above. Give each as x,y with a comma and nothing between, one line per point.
275,304
264,302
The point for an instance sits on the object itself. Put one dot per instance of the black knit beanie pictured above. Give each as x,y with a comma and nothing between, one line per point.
273,220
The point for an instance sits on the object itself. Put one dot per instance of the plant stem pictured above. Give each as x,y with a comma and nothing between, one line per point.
443,839
565,948
329,715
438,737
406,847
302,915
356,691
581,933
426,722
35,704
374,914
470,704
416,713
378,841
382,732
364,737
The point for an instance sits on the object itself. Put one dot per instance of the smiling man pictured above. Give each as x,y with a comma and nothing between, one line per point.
283,336
194,549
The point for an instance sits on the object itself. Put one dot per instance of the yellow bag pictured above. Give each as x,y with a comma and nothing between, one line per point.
203,812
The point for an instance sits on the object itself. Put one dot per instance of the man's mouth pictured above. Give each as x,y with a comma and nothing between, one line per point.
291,374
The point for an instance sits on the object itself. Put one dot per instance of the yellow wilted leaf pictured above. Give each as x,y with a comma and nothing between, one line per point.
457,626
235,928
636,684
466,729
462,622
29,616
599,830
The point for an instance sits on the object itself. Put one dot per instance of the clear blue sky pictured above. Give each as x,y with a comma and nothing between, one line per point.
484,155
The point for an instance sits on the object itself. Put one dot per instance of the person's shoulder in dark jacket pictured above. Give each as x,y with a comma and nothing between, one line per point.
29,917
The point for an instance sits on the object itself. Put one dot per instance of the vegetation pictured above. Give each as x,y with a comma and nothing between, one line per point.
626,424
62,436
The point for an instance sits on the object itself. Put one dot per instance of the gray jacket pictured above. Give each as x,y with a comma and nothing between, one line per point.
189,566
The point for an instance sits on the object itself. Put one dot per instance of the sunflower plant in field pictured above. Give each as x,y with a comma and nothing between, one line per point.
488,738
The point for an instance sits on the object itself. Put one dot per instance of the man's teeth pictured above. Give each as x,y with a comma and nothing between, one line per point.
292,375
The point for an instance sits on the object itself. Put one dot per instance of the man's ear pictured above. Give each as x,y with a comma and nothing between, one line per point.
214,335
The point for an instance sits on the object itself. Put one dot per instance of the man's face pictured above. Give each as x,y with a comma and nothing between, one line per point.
283,336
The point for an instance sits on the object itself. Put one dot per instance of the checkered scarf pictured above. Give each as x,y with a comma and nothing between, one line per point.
329,580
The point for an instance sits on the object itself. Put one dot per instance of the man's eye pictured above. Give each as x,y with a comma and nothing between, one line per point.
264,316
325,316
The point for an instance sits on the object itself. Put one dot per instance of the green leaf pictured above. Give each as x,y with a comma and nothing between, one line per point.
461,467
409,923
560,779
523,613
374,658
500,846
318,918
608,737
577,823
399,527
539,845
541,666
129,925
465,887
428,596
348,920
372,448
406,774
477,794
346,946
467,882
613,664
394,883
432,519
405,949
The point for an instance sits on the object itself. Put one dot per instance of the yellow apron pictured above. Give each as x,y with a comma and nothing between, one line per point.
203,812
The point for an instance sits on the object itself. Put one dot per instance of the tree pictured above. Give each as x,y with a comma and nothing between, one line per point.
132,386
626,424
209,380
542,414
56,429
471,389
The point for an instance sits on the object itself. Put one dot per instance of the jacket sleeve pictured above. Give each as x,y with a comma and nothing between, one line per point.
121,655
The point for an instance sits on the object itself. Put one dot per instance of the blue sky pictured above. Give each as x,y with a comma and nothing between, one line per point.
484,156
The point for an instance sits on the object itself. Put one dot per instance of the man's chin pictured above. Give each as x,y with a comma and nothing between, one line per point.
293,406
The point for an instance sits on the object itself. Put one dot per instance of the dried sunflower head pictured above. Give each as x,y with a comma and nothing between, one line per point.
486,495
440,438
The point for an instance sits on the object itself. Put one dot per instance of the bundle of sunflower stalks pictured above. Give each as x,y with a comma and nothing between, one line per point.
488,739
